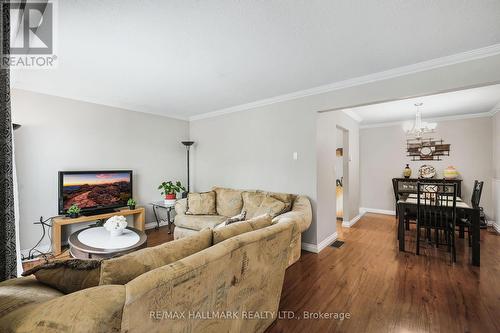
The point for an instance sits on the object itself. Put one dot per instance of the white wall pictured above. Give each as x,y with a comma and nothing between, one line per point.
63,134
496,145
253,148
383,157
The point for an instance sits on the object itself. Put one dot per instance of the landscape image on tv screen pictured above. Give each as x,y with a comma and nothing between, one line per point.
90,190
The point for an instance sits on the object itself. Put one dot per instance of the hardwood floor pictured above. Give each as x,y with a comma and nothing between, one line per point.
387,291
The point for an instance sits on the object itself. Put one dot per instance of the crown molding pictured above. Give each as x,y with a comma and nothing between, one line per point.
495,109
353,115
370,78
435,119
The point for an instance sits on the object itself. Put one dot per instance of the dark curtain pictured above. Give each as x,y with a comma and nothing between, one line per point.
8,263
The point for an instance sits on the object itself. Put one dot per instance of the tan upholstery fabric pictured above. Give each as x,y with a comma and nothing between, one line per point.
252,202
16,293
68,275
180,232
92,310
270,206
237,228
180,207
201,203
244,273
198,222
256,204
231,230
286,198
229,202
126,268
301,215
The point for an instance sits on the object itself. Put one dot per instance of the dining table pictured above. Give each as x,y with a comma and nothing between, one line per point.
408,203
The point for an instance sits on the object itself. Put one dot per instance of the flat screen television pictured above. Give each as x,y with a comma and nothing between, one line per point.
94,191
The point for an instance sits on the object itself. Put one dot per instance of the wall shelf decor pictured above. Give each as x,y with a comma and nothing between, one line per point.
427,149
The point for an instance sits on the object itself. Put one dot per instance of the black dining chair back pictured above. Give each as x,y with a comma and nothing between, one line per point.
437,213
476,193
395,188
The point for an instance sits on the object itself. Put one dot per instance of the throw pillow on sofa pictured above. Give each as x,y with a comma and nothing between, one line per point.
228,201
256,204
286,198
237,218
237,228
201,203
123,269
68,275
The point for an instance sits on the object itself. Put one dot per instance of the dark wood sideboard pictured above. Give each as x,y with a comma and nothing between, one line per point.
409,185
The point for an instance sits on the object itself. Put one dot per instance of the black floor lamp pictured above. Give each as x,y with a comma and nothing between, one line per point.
188,145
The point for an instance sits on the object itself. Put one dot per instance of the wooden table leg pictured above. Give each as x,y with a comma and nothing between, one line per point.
56,239
139,220
401,229
476,229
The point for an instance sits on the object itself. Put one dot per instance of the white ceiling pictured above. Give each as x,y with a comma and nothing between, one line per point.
476,101
188,57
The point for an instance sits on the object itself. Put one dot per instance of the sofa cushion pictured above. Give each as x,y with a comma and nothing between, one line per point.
229,202
123,269
271,206
68,275
16,293
256,204
201,203
97,310
286,198
252,202
198,222
237,228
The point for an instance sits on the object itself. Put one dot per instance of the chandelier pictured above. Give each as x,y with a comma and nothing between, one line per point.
419,127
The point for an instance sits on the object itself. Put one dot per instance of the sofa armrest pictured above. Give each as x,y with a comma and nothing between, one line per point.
301,213
92,310
181,207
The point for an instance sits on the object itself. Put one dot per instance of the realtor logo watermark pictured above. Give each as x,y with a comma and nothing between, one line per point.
32,35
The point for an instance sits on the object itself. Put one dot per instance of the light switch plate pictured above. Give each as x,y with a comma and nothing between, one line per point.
295,156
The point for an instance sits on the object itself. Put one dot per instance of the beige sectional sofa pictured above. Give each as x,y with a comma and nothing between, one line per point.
226,287
226,279
230,202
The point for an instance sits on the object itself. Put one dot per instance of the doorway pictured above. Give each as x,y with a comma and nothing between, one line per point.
339,168
342,174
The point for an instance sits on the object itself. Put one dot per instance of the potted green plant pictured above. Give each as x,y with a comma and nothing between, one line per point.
131,203
73,211
170,190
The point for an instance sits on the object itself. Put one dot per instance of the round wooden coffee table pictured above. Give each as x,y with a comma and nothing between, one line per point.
97,243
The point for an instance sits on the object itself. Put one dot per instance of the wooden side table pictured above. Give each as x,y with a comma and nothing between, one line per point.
57,223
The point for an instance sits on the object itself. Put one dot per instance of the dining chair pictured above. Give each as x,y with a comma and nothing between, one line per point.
408,216
465,223
436,213
395,188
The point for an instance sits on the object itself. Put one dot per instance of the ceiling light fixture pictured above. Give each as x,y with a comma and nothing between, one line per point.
419,127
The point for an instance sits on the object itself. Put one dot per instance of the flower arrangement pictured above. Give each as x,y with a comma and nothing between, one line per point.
116,224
